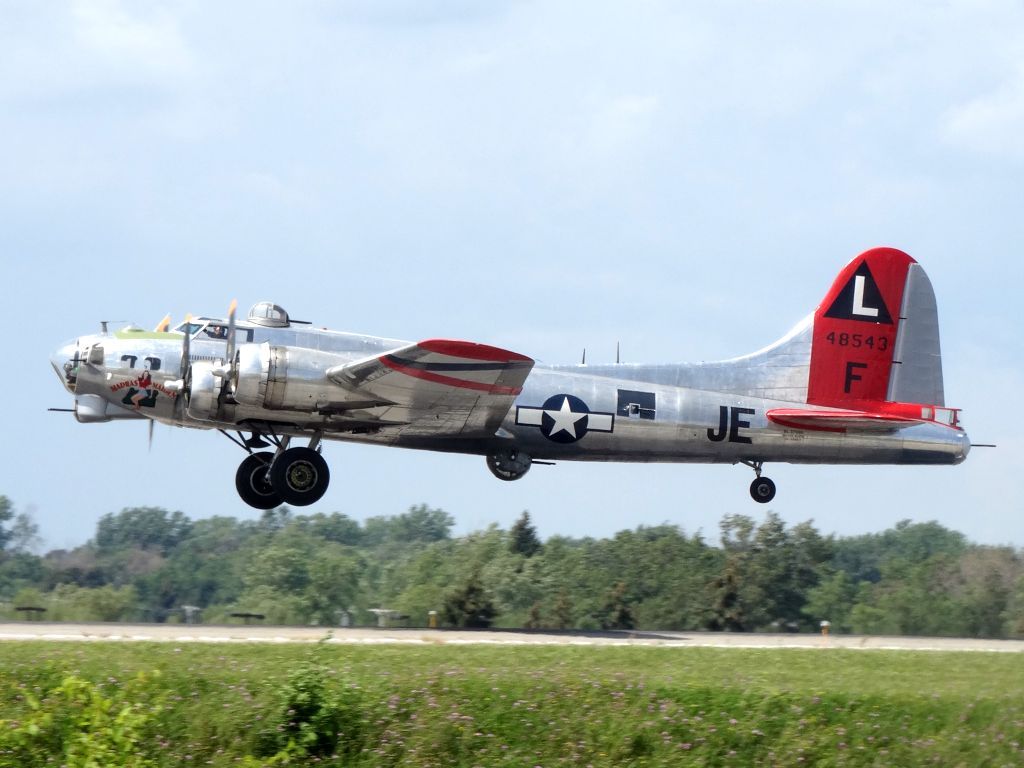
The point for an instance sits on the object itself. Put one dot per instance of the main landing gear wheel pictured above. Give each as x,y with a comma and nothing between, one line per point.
762,490
300,476
252,482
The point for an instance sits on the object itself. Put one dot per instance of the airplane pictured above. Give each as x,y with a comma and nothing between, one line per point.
858,381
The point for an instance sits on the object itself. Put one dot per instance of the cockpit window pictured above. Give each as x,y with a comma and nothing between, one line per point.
216,331
190,328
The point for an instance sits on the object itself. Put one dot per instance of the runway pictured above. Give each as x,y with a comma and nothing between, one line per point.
213,633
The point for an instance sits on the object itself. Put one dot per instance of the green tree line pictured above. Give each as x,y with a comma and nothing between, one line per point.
146,563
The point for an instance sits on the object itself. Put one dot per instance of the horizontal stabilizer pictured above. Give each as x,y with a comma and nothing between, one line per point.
838,420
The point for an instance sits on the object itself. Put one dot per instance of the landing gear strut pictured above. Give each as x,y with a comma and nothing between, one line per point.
762,490
297,476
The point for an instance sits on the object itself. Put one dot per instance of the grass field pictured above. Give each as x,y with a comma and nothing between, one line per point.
162,705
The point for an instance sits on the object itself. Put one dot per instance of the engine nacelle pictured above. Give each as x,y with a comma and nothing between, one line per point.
204,391
284,378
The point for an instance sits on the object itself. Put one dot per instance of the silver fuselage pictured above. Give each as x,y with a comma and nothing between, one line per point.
709,413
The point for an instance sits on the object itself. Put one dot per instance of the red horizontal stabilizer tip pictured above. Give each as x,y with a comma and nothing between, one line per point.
837,421
472,351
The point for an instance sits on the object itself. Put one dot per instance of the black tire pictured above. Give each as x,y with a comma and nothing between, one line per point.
762,490
252,483
300,476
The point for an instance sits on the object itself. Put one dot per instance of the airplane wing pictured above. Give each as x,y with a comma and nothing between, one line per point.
838,420
438,386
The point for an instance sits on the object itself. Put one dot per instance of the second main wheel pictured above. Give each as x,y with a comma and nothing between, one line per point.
252,483
300,476
762,490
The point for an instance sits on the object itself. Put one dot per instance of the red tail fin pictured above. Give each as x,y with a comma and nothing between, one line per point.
855,330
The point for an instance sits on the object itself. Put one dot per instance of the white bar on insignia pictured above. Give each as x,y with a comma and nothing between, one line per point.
599,422
530,417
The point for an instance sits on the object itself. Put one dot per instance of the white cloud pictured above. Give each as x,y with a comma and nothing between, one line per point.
136,46
992,123
75,55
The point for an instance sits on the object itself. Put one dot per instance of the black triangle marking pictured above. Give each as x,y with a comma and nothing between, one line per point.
860,299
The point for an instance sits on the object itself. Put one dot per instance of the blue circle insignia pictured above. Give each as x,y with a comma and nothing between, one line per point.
564,418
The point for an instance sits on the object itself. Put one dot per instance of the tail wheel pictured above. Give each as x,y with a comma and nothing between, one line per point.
762,490
252,483
300,476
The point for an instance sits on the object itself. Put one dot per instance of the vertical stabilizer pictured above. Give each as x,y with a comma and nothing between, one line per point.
876,335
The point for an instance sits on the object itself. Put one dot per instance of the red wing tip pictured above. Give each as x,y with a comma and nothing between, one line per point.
472,351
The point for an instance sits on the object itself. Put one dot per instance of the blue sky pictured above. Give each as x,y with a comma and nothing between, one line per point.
685,179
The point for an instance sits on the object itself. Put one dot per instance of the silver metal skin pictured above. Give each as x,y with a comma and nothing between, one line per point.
291,380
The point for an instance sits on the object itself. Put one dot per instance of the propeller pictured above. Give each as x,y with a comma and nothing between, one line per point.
180,385
186,344
228,370
232,363
162,327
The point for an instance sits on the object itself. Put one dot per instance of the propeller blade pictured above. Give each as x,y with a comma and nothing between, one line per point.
151,423
163,325
230,355
186,344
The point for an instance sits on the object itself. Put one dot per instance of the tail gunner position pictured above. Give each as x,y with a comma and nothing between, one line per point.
859,381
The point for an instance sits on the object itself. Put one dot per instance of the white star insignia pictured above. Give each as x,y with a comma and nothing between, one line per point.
565,419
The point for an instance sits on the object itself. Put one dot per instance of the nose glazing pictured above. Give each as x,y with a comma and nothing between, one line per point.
65,364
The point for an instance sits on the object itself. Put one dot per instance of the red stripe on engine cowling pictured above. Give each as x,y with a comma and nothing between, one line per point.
449,381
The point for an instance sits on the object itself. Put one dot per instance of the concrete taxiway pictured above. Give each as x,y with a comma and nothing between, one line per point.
213,633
